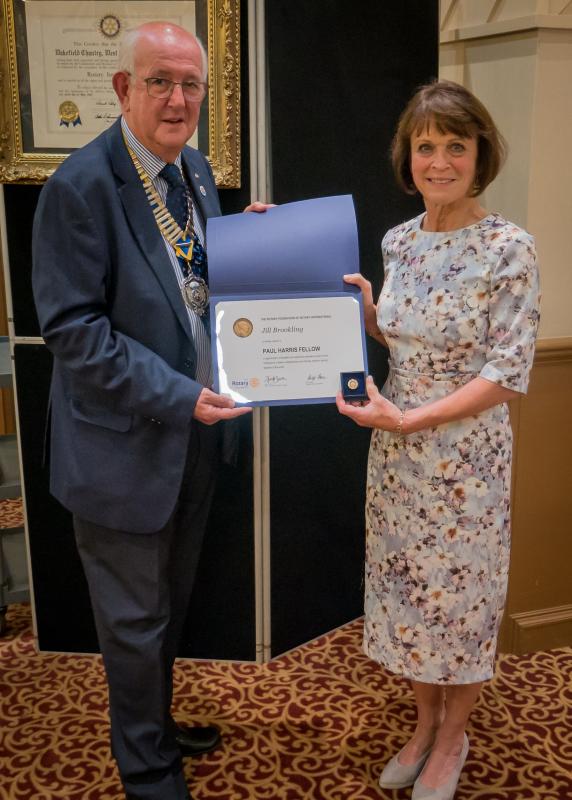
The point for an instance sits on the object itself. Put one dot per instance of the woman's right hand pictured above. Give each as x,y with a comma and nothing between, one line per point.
369,309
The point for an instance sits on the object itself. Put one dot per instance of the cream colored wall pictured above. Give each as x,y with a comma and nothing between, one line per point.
496,69
517,57
550,188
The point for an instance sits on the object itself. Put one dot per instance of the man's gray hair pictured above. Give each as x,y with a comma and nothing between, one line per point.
127,52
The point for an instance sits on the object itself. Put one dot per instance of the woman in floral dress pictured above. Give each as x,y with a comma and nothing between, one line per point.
459,314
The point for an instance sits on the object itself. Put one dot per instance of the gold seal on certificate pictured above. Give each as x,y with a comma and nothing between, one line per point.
69,113
242,327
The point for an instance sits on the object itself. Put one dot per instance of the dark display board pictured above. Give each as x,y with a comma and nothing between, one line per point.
63,611
340,74
221,615
21,204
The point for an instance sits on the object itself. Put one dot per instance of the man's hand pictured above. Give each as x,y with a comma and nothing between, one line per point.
259,207
212,407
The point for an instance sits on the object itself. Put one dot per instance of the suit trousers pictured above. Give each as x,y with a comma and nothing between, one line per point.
140,586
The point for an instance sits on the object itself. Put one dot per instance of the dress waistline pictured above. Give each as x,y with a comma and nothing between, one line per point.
455,377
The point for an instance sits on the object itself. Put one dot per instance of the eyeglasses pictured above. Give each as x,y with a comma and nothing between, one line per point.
161,88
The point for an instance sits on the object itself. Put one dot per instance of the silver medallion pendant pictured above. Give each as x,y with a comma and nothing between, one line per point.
196,294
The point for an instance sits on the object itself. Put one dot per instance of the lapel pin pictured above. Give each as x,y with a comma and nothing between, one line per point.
203,191
196,174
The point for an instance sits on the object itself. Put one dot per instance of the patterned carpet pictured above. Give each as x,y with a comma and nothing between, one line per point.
11,513
315,724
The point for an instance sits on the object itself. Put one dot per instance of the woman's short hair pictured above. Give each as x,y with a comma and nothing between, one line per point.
451,109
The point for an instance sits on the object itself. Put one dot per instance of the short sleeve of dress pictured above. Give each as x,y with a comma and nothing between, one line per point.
513,315
386,244
389,245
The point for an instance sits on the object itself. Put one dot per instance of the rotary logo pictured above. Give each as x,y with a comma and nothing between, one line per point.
110,26
254,383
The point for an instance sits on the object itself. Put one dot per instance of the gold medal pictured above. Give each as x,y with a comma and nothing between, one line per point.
353,384
242,327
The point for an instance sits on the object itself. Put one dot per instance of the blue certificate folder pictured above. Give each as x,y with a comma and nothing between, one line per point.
292,251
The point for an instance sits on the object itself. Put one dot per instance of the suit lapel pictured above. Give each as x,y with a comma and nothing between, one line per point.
202,185
143,225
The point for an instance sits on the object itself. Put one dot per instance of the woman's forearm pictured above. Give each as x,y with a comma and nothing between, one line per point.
470,399
378,336
371,328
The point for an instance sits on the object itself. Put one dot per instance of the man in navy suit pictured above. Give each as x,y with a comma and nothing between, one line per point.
133,446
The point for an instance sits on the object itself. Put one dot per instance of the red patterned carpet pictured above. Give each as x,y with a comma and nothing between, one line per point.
315,724
11,513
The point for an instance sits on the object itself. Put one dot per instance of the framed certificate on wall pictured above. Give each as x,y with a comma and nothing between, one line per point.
57,61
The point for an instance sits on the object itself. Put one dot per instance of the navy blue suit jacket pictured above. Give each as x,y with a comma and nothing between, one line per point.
123,389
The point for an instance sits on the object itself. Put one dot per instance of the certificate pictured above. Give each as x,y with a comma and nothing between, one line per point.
284,324
287,350
57,58
73,55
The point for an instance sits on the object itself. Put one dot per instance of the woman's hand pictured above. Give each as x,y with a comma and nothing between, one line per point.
369,308
376,413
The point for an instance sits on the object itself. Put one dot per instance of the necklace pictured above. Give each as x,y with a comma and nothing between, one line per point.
193,288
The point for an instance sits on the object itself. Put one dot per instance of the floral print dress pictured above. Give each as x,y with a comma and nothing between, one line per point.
453,306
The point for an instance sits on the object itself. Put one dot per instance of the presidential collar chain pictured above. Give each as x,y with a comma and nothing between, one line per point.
193,288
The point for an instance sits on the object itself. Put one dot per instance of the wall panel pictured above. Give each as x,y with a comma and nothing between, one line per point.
539,604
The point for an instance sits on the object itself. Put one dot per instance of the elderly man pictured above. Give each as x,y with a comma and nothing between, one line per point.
120,288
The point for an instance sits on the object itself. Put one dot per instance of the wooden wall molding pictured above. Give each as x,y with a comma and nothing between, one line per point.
556,349
529,629
538,613
462,20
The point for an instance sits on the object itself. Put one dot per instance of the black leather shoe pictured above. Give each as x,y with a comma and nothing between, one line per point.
196,741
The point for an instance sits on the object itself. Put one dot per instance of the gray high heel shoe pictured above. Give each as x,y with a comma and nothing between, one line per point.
447,790
396,775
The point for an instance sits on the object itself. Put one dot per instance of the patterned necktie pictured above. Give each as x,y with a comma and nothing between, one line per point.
176,194
176,203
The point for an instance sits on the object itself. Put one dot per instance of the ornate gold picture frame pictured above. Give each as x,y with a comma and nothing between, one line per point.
26,159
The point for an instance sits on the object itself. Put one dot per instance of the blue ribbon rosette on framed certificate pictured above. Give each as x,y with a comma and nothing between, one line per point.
284,325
